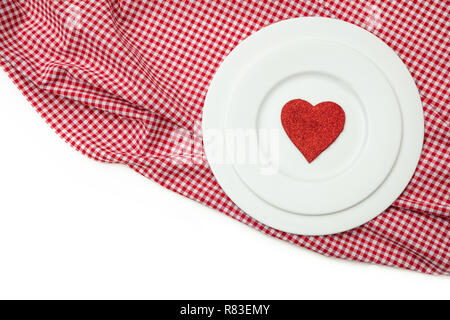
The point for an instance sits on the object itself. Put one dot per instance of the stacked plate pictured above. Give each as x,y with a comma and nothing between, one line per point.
313,59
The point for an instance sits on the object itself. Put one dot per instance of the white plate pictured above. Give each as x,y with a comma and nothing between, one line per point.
315,59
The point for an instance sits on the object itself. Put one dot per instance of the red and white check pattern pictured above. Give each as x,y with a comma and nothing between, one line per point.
115,78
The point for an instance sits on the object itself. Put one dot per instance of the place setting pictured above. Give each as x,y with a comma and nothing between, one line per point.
344,121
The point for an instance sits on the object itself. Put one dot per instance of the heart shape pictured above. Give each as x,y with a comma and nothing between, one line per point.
312,129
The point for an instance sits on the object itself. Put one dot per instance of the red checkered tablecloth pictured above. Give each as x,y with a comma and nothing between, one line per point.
124,81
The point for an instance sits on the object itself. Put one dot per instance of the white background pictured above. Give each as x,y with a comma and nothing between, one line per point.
71,227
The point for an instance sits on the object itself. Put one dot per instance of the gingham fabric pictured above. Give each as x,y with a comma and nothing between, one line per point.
122,80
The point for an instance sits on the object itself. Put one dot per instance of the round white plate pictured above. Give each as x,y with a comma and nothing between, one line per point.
314,59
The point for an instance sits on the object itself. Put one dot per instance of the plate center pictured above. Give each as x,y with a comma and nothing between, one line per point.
315,87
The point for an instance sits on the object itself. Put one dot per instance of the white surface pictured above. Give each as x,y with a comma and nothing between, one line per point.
349,57
71,227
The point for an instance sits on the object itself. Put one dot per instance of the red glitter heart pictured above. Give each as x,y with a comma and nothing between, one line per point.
312,129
